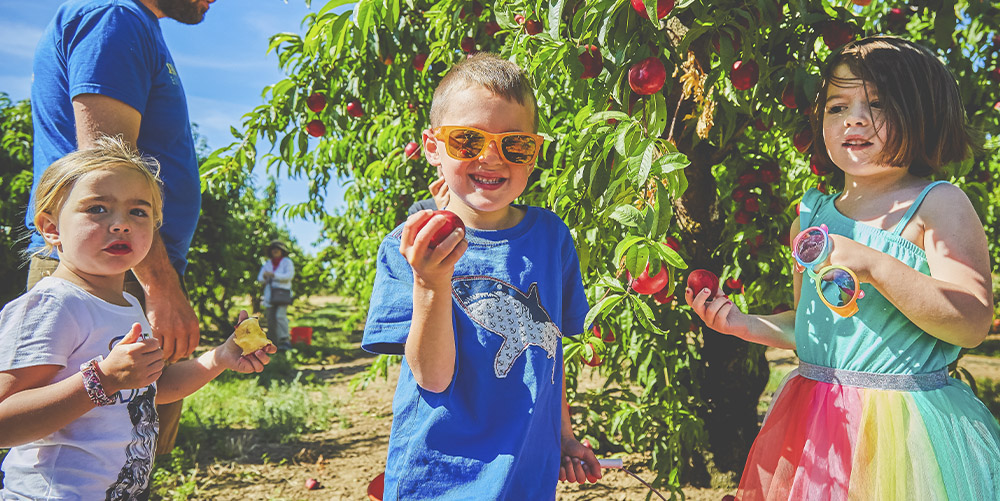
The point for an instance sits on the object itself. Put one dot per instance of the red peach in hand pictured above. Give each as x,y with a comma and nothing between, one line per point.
699,280
452,221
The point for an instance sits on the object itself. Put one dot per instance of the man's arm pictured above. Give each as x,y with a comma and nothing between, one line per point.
167,308
170,314
98,115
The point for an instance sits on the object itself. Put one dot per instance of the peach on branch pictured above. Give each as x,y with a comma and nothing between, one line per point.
647,76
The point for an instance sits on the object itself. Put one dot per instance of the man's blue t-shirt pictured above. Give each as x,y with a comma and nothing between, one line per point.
494,433
115,48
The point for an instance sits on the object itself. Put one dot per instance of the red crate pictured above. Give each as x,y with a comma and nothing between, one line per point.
302,335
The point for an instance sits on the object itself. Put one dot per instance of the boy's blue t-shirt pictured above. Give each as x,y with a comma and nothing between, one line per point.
495,432
115,48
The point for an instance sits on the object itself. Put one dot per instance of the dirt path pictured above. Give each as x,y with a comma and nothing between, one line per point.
346,457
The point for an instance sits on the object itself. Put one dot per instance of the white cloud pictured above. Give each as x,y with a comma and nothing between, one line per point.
265,26
221,64
214,117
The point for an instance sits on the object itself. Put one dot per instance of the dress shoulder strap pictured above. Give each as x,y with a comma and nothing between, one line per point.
807,207
898,229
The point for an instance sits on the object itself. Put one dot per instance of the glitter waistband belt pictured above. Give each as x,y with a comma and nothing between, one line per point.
895,382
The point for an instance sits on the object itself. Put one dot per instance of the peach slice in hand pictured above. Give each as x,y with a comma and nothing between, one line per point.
250,337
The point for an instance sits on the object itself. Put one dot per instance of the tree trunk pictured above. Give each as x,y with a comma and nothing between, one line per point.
733,373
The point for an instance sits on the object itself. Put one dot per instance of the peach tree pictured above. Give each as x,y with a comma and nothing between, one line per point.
678,138
15,186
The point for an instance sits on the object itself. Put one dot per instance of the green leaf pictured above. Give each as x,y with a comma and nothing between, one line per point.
670,256
658,119
641,261
627,215
605,304
332,4
647,164
364,15
664,210
645,315
556,8
624,245
621,145
601,117
632,263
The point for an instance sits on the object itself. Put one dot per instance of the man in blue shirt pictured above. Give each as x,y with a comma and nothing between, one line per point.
103,68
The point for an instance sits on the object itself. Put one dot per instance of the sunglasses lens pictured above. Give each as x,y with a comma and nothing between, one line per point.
838,287
519,149
810,246
465,144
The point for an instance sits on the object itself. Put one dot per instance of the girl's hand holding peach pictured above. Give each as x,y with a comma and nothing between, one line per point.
231,355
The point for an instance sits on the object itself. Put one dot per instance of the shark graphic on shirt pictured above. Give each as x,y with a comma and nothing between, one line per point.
518,317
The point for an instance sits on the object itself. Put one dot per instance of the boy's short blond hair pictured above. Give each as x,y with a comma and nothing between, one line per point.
500,76
107,153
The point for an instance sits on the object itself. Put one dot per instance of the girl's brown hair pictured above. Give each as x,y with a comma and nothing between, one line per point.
921,104
500,76
107,153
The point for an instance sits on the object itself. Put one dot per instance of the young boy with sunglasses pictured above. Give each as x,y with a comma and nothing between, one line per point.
480,408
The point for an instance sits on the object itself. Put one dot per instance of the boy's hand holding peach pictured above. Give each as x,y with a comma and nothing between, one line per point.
133,363
433,262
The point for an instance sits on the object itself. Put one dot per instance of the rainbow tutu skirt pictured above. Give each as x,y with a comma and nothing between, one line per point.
833,434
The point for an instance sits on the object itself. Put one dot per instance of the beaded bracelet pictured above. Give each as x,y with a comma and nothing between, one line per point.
92,383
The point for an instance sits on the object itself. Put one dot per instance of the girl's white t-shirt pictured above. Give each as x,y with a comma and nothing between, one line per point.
108,452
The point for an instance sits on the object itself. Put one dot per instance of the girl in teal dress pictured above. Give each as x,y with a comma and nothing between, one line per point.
871,413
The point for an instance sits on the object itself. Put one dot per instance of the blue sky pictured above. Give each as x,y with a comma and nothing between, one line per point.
222,64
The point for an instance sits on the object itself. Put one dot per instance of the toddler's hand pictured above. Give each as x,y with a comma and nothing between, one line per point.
719,314
439,190
230,355
850,254
579,464
432,268
133,363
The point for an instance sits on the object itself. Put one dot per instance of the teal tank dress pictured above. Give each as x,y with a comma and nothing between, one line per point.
871,414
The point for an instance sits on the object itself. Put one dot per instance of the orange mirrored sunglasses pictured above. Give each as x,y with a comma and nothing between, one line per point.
467,143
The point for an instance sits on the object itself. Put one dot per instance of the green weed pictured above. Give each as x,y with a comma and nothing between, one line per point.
989,393
175,475
233,410
988,348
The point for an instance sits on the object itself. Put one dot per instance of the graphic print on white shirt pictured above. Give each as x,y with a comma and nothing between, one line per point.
519,318
133,479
